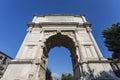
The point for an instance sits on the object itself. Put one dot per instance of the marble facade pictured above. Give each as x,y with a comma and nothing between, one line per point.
48,31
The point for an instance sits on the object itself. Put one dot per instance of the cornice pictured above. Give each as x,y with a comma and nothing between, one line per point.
87,24
59,15
95,61
33,24
59,23
21,61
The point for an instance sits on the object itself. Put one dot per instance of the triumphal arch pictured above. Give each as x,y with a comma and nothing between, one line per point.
48,31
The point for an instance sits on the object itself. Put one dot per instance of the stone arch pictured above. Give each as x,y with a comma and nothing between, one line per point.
60,40
46,32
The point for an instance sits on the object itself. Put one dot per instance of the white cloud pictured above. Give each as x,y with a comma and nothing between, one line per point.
56,75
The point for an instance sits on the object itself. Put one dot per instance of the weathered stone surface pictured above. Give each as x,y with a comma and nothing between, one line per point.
46,32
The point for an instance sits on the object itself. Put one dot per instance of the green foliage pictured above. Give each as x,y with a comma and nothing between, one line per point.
117,72
67,77
48,74
112,39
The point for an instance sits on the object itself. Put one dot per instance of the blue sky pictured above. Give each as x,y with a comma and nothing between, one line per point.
15,14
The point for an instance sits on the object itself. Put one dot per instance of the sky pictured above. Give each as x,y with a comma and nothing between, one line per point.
15,14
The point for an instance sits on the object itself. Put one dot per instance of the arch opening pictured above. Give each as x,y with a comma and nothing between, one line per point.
59,62
60,40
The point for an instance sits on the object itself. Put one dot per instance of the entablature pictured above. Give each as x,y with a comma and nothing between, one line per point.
44,24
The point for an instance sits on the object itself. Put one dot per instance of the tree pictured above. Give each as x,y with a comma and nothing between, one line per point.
67,77
112,39
48,74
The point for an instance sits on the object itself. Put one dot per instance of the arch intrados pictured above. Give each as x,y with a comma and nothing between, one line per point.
60,40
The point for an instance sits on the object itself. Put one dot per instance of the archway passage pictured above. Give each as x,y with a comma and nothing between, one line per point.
60,40
59,62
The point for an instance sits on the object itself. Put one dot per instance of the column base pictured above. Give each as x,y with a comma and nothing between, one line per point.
18,70
97,70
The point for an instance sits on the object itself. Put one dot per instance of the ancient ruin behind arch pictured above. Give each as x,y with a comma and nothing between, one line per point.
70,31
